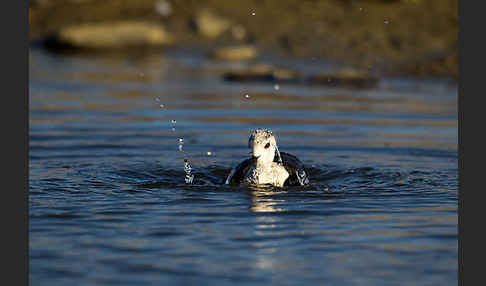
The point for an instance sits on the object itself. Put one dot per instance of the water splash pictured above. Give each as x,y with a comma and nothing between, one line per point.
173,121
188,168
189,177
160,104
278,154
181,144
302,177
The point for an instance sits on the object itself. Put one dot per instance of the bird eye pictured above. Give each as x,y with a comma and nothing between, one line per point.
267,145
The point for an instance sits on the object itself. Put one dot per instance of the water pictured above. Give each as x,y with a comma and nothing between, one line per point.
109,203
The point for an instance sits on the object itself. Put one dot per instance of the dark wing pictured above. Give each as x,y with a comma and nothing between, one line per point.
298,176
239,172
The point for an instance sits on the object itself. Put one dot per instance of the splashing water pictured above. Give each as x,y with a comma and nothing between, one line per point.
301,176
188,168
181,144
158,100
189,178
278,154
173,121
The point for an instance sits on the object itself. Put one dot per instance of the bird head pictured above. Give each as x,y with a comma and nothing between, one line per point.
262,144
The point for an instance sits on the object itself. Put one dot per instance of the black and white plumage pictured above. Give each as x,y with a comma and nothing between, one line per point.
267,165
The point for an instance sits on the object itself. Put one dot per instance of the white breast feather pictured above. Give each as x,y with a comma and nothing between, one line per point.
275,175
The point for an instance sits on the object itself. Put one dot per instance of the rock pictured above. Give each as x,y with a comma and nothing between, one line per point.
211,25
238,32
345,78
286,75
235,53
263,73
249,77
163,8
438,65
113,35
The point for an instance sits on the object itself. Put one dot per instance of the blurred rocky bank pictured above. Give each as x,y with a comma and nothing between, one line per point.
387,37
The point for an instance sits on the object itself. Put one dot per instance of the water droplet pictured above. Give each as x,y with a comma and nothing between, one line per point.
181,143
173,121
253,13
276,87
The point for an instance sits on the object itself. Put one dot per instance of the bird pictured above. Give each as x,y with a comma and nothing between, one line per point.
267,165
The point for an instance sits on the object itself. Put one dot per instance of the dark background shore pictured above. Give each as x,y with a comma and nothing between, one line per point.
392,38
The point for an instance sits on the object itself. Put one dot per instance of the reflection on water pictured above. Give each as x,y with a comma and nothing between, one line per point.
109,203
262,201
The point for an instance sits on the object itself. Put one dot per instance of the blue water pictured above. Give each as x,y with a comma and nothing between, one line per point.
108,203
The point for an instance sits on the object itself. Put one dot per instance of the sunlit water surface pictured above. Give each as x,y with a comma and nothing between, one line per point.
109,205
